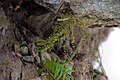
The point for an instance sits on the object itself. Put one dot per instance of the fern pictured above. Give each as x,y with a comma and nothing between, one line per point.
55,69
61,32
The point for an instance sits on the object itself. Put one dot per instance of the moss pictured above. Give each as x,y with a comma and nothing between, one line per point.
64,25
61,32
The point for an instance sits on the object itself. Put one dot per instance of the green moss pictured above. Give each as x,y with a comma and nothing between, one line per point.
61,32
64,25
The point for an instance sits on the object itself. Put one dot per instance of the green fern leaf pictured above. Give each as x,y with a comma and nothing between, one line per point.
57,70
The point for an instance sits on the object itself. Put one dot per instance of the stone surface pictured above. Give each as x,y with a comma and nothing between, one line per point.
106,8
24,50
37,58
23,43
28,71
38,78
17,48
15,75
41,25
28,58
45,54
4,22
100,77
32,49
52,5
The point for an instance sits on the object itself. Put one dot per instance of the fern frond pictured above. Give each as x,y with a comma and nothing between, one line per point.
55,69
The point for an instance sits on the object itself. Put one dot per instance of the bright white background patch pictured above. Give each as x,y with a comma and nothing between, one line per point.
110,53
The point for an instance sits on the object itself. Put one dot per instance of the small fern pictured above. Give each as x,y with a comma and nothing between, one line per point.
63,27
55,69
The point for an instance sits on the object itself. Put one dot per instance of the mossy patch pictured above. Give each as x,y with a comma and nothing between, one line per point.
61,32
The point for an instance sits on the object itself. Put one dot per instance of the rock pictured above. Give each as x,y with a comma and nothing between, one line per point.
18,35
37,58
34,39
53,54
4,22
52,5
28,72
3,31
24,43
17,54
15,75
17,48
40,25
24,50
45,78
45,54
100,77
28,58
105,8
17,51
38,78
31,48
